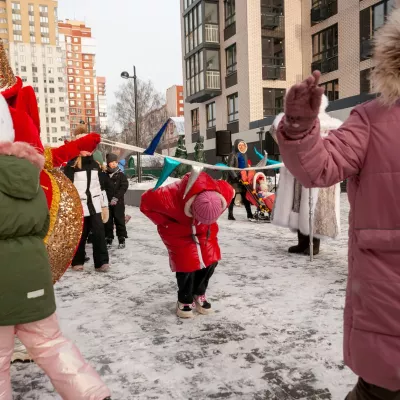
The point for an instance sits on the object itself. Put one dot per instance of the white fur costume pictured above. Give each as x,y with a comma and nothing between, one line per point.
325,224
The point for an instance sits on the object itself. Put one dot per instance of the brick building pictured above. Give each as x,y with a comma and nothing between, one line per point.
81,73
240,57
175,101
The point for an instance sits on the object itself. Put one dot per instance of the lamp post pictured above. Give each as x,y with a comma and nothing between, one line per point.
125,75
261,134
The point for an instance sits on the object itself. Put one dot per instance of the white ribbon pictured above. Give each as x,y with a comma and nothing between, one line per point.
188,162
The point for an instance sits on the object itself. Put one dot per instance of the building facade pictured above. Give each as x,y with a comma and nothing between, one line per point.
240,58
175,101
81,72
28,29
102,103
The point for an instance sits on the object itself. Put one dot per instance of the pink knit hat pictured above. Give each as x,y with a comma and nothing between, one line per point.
207,207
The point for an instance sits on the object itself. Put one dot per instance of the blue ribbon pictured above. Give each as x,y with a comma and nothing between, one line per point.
155,142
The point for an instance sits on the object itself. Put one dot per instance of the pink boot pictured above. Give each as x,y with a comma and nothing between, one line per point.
70,374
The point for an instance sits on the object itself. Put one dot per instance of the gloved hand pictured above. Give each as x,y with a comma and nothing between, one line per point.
105,214
302,105
88,143
113,201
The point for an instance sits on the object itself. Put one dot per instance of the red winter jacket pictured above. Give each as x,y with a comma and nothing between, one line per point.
191,246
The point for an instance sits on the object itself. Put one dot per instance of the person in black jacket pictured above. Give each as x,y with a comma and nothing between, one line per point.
88,178
116,185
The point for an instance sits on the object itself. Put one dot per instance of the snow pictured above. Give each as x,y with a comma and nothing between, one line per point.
276,333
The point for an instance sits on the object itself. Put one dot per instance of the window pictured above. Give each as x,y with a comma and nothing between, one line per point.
31,18
87,88
52,100
44,20
233,107
53,110
53,120
3,30
63,129
35,79
16,6
331,89
2,10
43,9
49,50
322,10
89,112
54,139
17,38
45,40
62,109
54,130
51,90
371,19
231,63
23,69
31,7
195,121
88,97
195,73
211,115
16,17
22,58
193,24
3,21
36,89
44,29
24,78
76,40
62,119
273,101
86,73
230,12
17,27
365,83
61,99
325,50
88,81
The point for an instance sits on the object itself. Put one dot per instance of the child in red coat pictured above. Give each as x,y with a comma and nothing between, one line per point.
188,227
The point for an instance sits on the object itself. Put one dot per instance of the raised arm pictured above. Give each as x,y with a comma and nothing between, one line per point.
316,161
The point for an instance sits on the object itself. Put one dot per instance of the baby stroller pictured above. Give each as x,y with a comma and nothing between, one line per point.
259,194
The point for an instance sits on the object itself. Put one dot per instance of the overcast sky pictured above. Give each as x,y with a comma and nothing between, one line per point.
141,32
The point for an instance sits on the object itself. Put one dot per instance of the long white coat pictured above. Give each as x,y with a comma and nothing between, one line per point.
283,214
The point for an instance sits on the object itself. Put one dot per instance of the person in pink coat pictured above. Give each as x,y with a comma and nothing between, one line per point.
366,151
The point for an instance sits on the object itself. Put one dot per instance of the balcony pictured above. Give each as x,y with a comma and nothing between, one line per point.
271,17
273,68
212,33
212,88
366,49
323,10
327,64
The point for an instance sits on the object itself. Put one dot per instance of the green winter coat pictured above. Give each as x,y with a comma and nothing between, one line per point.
26,289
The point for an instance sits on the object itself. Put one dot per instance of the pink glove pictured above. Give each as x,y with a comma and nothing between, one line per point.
302,105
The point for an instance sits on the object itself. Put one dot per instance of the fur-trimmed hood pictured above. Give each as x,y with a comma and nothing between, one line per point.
385,77
22,150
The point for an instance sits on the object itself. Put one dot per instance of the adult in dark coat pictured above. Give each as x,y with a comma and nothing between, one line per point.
238,159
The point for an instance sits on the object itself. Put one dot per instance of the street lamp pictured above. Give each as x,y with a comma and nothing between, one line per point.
261,134
125,75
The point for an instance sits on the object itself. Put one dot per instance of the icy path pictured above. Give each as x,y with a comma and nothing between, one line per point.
277,333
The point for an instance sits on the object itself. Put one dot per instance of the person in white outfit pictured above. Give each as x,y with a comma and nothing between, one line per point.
292,208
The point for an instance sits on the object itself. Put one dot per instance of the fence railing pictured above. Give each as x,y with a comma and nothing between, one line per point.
213,80
212,33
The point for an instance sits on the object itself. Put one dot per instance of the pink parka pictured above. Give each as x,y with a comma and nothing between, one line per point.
365,149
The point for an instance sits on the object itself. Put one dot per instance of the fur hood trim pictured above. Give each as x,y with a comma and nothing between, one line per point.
22,150
385,77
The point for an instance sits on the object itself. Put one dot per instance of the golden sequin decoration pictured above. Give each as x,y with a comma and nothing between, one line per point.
55,203
7,77
48,159
65,237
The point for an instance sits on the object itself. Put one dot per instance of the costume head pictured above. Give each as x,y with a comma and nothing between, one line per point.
22,106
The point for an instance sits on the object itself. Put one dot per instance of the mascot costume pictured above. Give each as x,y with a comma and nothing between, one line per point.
66,217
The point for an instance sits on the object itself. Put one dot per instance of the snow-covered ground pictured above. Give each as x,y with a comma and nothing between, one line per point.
276,335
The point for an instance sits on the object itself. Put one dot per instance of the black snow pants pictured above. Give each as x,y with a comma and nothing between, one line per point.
366,391
192,284
93,224
117,218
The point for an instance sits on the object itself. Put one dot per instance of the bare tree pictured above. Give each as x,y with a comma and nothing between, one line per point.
151,112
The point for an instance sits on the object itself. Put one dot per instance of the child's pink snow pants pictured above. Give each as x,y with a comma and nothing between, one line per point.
60,359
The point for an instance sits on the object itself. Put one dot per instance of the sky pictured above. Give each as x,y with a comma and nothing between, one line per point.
132,32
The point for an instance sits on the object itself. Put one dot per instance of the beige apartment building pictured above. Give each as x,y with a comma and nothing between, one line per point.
240,57
28,29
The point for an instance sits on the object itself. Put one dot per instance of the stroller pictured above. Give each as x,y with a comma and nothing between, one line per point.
259,194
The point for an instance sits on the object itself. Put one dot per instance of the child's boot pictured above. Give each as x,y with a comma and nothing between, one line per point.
121,242
184,310
202,305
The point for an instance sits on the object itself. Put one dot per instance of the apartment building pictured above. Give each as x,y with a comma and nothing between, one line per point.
81,73
102,103
240,58
28,29
175,101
